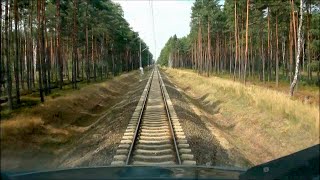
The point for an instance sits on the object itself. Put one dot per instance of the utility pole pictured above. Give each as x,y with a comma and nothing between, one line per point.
141,68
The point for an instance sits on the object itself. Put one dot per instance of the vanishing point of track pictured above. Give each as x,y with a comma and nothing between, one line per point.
154,135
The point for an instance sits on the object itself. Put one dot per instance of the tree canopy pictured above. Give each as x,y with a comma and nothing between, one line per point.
57,42
217,40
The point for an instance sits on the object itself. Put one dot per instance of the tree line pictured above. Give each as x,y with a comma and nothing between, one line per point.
48,44
250,39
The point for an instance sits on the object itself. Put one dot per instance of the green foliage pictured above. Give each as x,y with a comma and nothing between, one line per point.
174,44
214,25
105,21
49,40
315,66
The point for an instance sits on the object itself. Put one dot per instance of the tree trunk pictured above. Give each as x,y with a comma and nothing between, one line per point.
32,81
75,44
294,27
7,55
308,41
48,61
299,49
236,39
16,63
44,58
209,48
246,50
93,60
112,57
230,55
240,48
1,64
22,59
263,62
87,44
277,53
1,51
269,46
39,63
290,50
58,48
285,69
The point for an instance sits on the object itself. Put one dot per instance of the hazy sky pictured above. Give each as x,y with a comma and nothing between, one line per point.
170,17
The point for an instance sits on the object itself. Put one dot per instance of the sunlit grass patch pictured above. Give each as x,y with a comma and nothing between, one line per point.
265,99
261,116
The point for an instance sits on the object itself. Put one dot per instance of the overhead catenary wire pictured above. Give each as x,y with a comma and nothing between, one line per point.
153,28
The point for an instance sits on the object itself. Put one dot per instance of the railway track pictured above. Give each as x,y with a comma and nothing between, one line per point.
154,135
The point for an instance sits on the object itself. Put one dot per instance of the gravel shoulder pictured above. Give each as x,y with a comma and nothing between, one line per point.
207,145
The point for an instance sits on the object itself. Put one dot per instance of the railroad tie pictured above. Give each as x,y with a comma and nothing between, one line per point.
154,135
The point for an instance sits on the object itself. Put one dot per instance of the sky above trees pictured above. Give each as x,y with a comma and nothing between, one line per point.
169,17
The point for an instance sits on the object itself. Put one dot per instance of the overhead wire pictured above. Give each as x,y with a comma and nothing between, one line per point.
153,28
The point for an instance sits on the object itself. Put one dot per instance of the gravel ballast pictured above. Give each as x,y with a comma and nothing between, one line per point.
99,144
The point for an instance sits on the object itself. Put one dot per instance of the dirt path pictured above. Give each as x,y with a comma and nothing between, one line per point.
90,138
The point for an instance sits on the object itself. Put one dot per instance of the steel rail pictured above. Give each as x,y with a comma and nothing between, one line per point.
143,108
169,119
139,121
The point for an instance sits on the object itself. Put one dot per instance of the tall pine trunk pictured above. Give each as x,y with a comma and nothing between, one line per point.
290,50
309,41
7,55
1,51
39,41
75,44
32,82
246,50
1,64
277,53
44,59
58,48
236,39
16,62
269,47
299,49
87,45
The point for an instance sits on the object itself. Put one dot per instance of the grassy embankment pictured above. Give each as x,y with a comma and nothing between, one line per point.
306,91
263,124
64,114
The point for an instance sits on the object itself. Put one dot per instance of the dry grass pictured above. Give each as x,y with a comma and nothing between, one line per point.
70,125
306,93
64,115
264,124
19,126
